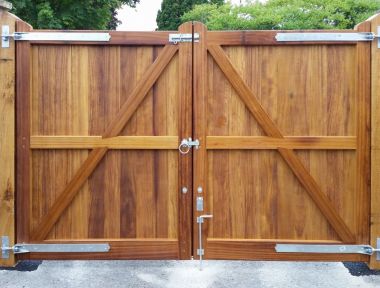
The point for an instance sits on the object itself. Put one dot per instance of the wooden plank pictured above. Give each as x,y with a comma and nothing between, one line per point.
113,129
291,142
375,143
200,126
270,128
91,142
265,38
185,164
127,249
265,250
7,137
363,128
23,56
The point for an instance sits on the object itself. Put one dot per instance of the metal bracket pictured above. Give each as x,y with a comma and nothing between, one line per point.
183,38
51,248
5,36
199,204
325,37
52,36
330,249
200,252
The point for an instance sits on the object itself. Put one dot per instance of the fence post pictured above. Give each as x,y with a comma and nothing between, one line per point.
375,143
7,133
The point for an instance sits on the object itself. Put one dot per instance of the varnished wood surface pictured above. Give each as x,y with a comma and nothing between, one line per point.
7,137
265,38
185,162
271,129
283,95
127,186
375,143
91,142
267,143
23,155
284,145
265,250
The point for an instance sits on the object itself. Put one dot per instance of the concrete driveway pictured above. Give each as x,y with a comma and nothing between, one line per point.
182,274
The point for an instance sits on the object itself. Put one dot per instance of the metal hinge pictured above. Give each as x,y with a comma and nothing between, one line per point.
330,249
327,37
183,38
50,248
51,36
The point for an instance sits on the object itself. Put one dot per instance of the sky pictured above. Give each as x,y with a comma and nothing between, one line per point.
143,17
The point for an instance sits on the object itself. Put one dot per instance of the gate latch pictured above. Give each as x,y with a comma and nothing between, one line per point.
186,145
50,248
183,38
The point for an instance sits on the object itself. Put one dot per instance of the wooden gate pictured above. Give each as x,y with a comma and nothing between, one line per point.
284,156
98,129
286,127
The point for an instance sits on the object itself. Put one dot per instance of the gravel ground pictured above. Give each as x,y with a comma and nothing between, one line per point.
183,274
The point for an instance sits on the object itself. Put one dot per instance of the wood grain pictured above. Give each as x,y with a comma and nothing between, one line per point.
265,250
375,143
23,55
185,165
271,129
113,129
260,142
265,38
91,142
7,137
200,129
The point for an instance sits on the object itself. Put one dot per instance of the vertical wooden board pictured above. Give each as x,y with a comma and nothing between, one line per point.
80,107
7,137
363,130
200,108
375,143
23,154
146,209
99,65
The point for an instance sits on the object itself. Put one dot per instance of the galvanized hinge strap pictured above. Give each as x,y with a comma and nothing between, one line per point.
325,37
52,36
51,248
183,38
329,249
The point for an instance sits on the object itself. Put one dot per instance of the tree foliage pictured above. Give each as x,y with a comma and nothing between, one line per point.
70,14
284,14
169,16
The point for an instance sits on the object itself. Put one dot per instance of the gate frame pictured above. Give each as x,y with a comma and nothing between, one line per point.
8,129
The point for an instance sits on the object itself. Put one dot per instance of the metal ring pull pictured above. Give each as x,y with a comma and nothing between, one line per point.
184,147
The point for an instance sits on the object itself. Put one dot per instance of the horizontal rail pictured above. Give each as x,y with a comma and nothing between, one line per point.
160,38
91,142
265,38
292,142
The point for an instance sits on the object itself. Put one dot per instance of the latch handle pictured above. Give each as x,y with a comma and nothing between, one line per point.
187,144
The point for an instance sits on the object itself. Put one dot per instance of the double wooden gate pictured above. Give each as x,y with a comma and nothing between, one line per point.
284,132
